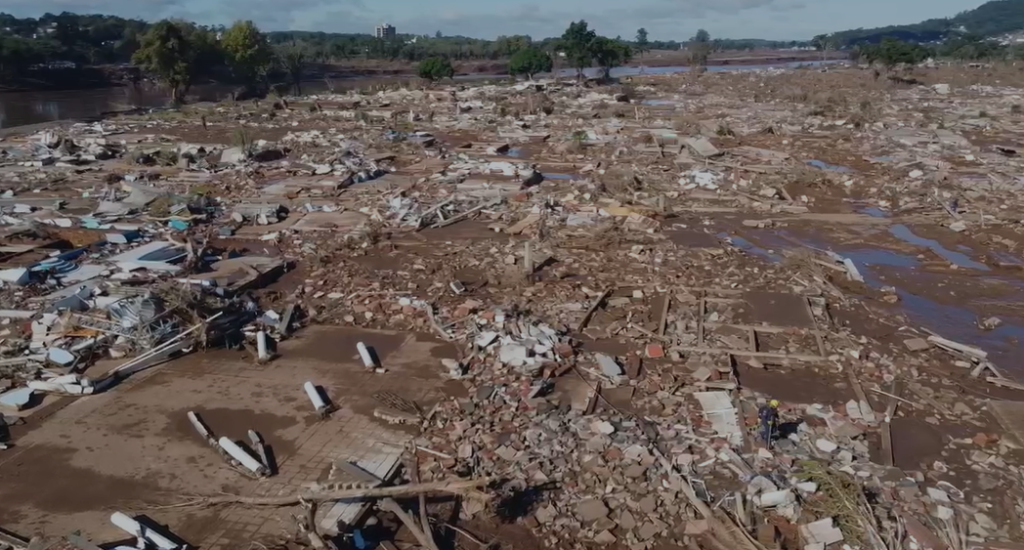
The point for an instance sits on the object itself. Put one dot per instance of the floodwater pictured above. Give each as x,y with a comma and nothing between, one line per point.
21,108
904,233
955,321
821,165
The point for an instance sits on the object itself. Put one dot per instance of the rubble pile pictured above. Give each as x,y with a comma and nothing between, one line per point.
630,274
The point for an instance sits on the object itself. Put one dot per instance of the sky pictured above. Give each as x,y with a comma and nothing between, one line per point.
663,19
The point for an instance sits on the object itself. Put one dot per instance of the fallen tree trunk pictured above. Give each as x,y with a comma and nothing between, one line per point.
454,487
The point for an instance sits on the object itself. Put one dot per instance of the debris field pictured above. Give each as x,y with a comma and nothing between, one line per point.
523,315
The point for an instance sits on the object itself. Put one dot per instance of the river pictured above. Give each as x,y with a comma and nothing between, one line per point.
21,108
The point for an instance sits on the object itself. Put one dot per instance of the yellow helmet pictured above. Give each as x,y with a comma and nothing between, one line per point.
774,403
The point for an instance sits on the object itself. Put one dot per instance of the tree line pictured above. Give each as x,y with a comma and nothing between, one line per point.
959,47
181,54
988,20
582,48
91,40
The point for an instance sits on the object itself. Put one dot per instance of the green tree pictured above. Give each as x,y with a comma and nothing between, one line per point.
247,51
529,62
435,68
166,52
700,49
609,54
577,44
891,52
643,45
294,57
824,43
509,45
971,47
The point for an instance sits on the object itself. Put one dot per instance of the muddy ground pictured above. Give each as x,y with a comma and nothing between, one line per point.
932,227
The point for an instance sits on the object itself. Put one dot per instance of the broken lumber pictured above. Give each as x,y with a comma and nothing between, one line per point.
745,353
1004,383
391,506
325,495
663,319
592,309
949,345
468,213
12,540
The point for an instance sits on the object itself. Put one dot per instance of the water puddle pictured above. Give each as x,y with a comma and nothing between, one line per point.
829,167
749,247
904,234
875,212
658,102
515,152
1008,258
883,159
875,256
954,321
959,324
560,177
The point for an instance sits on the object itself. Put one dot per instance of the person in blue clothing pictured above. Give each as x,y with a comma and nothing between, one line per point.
768,416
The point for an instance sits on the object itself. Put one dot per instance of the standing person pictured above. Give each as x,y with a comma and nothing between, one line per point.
768,415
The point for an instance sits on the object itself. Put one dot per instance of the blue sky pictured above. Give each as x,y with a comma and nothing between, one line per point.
664,19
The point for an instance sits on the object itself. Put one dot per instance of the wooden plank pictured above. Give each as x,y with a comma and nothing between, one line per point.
867,411
592,309
1004,383
664,314
767,329
895,395
970,351
701,311
12,540
814,322
744,353
887,458
890,410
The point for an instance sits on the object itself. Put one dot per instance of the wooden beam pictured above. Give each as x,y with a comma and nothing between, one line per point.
869,414
890,410
701,311
744,353
592,309
664,314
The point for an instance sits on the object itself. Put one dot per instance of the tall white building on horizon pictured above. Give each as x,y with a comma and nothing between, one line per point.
384,31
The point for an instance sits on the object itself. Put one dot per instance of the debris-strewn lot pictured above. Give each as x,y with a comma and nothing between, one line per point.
535,316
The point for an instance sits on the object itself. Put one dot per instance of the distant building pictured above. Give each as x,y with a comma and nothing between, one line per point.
384,31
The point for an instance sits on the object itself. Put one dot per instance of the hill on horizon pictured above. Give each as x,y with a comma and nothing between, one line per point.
990,19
